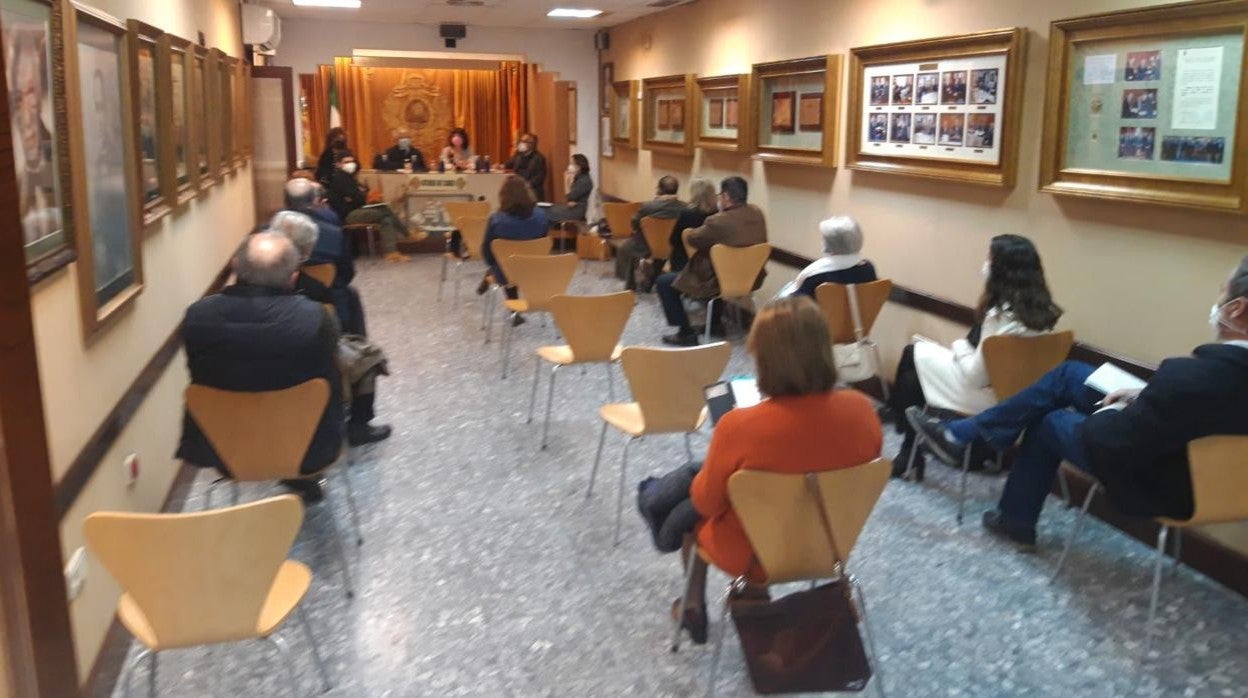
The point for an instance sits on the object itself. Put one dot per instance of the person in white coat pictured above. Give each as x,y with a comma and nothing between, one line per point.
1015,301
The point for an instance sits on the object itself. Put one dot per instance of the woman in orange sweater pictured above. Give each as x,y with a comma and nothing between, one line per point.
805,425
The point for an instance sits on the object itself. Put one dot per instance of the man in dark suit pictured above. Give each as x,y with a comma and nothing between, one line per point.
332,247
665,204
259,335
738,224
529,165
403,154
1135,444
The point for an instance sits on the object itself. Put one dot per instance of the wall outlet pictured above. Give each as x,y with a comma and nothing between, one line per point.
76,573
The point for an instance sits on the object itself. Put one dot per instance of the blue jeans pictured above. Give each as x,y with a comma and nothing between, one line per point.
1050,411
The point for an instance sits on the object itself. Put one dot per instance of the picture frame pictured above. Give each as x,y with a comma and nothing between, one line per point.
665,101
606,88
227,81
717,128
945,81
775,94
624,113
1145,106
243,111
810,112
35,47
106,213
204,144
182,176
572,114
149,110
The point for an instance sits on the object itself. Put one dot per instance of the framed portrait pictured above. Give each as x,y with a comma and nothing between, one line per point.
665,100
956,116
34,52
227,80
202,146
150,110
606,89
776,94
714,129
624,115
243,110
572,114
1145,106
182,177
103,139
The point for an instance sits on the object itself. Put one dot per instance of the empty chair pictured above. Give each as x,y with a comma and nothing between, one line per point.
737,270
324,274
851,311
658,234
592,325
667,387
206,578
472,239
501,250
538,279
458,210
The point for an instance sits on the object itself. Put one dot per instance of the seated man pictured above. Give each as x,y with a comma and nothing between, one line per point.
302,231
259,335
1136,445
664,205
332,247
403,155
738,224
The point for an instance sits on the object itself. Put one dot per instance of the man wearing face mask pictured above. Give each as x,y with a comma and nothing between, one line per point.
1134,442
529,165
349,199
403,155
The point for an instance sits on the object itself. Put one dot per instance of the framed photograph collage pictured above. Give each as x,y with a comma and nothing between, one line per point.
100,114
666,105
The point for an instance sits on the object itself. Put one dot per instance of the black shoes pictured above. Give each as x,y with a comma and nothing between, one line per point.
903,460
483,287
684,338
717,330
360,434
309,490
517,320
935,438
1023,536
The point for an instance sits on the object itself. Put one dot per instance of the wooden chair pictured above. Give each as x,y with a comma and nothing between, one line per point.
457,210
263,437
322,273
472,238
538,278
780,515
667,387
851,311
502,250
658,234
370,232
620,219
592,325
206,578
1219,480
1013,362
736,269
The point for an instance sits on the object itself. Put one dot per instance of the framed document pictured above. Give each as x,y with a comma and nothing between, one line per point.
810,113
716,100
1145,105
148,72
795,109
624,113
782,112
665,100
944,108
182,176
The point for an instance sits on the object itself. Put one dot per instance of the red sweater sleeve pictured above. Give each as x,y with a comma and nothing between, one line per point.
709,490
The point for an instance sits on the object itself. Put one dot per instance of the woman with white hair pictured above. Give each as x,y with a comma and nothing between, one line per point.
841,263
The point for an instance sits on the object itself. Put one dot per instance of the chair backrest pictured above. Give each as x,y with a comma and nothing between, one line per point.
198,578
668,383
540,277
472,234
323,273
505,249
260,436
1014,362
592,325
780,515
1219,466
737,268
620,217
658,234
457,210
837,303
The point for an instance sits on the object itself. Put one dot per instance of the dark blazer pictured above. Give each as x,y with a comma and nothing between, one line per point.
578,197
344,193
861,273
331,248
508,227
690,217
740,226
325,166
395,158
248,338
1140,453
531,167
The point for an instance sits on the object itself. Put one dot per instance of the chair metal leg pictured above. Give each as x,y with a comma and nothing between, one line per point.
720,631
286,660
1178,547
537,368
1070,542
507,332
151,677
602,439
914,450
351,508
550,401
710,307
1152,603
341,549
326,684
684,597
619,498
866,629
127,673
879,366
442,278
1065,487
966,469
488,318
459,275
688,447
610,382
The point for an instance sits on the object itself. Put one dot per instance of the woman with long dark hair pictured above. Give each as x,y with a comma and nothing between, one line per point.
1015,301
577,200
457,155
336,139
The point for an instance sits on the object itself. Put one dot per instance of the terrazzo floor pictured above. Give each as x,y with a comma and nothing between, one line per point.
485,571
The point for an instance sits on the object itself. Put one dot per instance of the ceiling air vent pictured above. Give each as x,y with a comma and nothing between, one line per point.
664,3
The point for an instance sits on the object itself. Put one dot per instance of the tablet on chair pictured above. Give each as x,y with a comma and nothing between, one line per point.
726,395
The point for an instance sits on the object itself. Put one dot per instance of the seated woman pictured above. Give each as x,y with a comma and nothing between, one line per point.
578,194
517,218
703,201
841,262
457,155
806,425
1015,301
349,199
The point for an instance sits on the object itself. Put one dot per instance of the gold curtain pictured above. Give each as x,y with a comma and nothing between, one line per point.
318,110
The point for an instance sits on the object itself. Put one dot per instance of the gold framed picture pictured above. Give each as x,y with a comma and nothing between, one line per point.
572,114
227,85
183,174
150,111
665,101
716,100
205,143
624,113
776,91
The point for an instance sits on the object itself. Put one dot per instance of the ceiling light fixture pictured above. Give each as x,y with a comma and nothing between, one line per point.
346,4
573,13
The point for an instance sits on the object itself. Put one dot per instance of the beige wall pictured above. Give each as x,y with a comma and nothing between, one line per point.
81,383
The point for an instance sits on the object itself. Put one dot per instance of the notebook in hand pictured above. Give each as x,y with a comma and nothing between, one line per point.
1109,378
725,395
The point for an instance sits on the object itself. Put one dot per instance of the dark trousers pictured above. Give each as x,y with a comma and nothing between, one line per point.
362,409
626,257
1050,412
907,392
674,309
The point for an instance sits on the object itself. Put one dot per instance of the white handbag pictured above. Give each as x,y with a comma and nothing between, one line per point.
854,362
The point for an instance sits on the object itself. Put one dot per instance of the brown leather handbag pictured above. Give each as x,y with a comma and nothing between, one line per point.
807,641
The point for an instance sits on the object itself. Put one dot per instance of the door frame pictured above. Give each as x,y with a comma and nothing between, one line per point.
287,75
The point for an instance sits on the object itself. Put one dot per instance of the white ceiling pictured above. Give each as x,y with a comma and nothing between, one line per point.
495,13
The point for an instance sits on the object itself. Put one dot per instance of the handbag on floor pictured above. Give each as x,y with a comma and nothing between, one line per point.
808,641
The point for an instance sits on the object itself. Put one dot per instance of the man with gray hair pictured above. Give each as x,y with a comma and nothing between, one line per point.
306,197
841,263
258,335
1134,442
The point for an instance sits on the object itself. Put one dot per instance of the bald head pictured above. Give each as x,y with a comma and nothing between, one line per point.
268,260
301,194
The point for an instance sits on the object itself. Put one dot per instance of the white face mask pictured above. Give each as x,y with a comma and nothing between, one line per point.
350,167
405,143
522,148
1216,321
573,169
985,271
